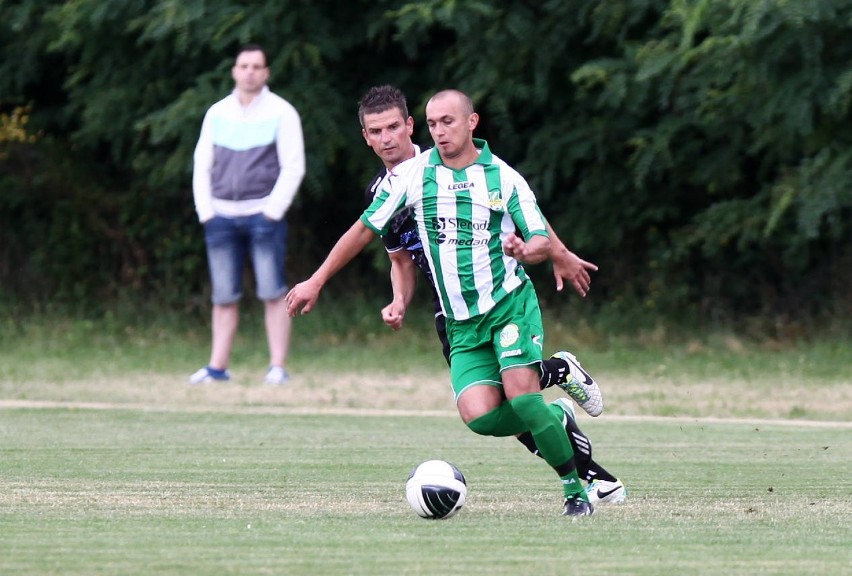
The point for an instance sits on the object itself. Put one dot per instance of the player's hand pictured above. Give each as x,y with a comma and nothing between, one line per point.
513,246
393,315
302,297
568,266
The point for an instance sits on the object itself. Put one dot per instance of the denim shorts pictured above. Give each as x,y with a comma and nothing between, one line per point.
230,240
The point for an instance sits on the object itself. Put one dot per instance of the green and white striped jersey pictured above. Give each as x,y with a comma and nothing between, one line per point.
462,218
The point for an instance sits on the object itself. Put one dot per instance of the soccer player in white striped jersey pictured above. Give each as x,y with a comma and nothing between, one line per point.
468,205
387,128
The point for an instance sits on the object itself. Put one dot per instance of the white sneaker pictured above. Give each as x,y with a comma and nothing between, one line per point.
580,385
276,376
601,491
208,374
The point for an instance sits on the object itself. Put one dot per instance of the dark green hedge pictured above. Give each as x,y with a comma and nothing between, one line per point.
699,152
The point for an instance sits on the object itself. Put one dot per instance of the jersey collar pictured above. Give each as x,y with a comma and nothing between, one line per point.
484,151
485,156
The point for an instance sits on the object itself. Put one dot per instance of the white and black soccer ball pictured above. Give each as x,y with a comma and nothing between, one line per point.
436,489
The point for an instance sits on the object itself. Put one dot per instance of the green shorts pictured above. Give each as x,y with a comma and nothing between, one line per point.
507,336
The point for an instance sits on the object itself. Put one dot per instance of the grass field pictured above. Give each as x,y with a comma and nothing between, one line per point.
736,457
114,491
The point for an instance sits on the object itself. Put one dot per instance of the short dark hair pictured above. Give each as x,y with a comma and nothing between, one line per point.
381,99
253,48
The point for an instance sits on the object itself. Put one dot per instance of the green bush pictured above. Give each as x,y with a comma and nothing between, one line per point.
697,151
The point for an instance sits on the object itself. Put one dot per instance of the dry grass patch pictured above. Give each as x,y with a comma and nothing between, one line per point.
429,391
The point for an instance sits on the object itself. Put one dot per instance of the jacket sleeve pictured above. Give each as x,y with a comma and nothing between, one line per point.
291,159
202,165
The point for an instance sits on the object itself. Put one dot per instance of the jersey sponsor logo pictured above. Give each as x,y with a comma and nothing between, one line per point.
460,186
509,335
444,223
510,353
442,239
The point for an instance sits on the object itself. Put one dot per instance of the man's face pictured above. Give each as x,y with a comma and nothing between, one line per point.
389,135
451,128
250,72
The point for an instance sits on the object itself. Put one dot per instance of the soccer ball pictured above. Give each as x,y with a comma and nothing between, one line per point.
436,489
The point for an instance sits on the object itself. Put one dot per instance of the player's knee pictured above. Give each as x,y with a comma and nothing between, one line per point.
484,425
477,401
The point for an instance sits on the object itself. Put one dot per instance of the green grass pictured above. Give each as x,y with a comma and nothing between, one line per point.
345,332
239,478
235,492
63,348
660,373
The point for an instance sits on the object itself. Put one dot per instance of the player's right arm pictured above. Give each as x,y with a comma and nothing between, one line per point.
374,221
303,296
569,266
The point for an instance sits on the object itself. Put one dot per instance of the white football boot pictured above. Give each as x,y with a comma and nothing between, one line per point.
580,386
603,492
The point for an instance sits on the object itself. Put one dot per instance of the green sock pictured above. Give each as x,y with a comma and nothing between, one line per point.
551,439
502,421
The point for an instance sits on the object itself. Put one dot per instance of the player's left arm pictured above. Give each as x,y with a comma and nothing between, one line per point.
534,245
403,275
532,251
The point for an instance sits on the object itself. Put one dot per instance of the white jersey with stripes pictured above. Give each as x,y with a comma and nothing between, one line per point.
462,218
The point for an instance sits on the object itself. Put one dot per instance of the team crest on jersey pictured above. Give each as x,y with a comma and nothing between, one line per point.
509,335
495,200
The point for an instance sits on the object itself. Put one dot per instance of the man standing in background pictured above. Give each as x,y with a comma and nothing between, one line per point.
248,165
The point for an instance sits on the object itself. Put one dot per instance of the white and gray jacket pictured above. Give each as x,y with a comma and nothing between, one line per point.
249,159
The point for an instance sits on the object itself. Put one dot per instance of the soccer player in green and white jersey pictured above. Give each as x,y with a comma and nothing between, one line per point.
467,204
387,129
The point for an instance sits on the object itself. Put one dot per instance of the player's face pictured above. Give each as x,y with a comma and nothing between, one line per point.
451,127
389,135
250,72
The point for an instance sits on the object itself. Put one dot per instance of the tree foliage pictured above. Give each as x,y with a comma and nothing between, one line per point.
698,151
